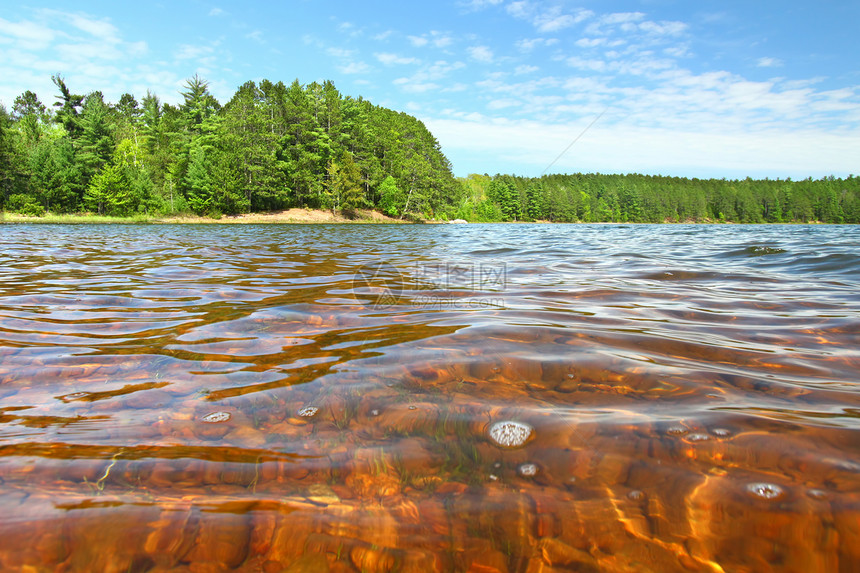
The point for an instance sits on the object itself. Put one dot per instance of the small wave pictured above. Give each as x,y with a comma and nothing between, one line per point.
754,251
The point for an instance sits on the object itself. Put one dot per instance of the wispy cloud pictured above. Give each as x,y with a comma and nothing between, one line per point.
428,76
340,52
477,5
547,19
768,62
625,148
96,27
434,38
529,44
89,51
26,34
634,23
481,54
354,68
663,28
347,62
554,20
389,59
412,86
590,42
194,52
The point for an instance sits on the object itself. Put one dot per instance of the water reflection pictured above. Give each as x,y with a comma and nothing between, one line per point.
489,398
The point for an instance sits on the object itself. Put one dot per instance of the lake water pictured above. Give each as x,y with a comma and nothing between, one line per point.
430,398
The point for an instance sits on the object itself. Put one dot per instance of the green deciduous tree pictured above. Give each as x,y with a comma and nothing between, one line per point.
391,197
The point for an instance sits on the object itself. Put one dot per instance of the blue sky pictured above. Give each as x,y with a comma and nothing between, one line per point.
703,89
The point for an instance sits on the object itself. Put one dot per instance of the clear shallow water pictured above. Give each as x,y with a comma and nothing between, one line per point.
329,398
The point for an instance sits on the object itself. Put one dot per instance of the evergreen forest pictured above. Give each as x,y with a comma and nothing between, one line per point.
273,147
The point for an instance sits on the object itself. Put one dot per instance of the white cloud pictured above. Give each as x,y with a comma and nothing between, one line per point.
591,64
347,63
678,51
354,68
101,29
663,28
504,103
191,52
623,148
393,59
590,42
256,36
426,78
768,62
554,20
340,52
519,9
481,54
527,45
27,35
551,19
555,23
621,18
216,12
435,37
525,69
91,53
456,87
412,86
609,23
476,5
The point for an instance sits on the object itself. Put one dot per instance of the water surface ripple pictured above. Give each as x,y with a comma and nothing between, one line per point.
430,398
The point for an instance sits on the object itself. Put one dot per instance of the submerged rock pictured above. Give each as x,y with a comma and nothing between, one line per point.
216,417
510,434
765,490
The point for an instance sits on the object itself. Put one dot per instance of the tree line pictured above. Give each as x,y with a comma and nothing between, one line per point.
638,198
270,147
273,146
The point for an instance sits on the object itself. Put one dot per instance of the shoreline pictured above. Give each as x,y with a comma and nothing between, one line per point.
300,216
288,216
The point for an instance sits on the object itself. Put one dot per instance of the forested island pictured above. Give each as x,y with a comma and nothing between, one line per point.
273,147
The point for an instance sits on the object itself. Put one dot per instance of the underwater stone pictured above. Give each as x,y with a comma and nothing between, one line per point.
676,431
510,434
765,490
216,417
528,470
308,411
